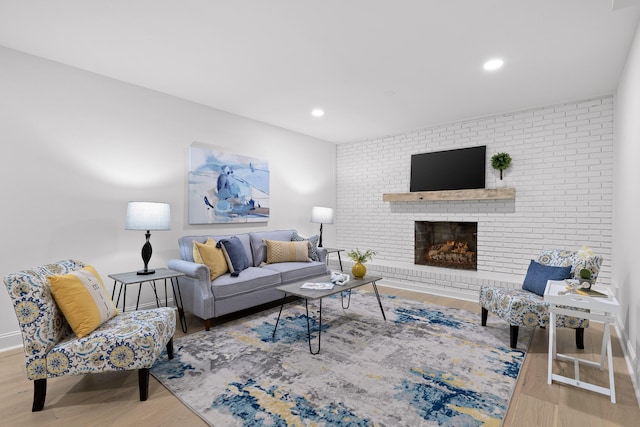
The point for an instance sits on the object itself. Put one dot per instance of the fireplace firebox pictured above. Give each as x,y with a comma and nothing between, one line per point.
446,244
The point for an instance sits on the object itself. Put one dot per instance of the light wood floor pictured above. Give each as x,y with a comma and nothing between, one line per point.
112,398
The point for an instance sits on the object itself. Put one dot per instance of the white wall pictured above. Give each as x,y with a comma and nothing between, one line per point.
626,232
75,147
561,170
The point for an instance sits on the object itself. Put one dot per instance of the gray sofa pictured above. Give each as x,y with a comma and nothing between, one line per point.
254,286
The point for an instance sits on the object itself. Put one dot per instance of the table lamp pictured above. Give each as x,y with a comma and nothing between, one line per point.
322,216
147,216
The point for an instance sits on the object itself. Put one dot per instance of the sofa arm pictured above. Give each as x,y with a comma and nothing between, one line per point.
191,269
322,254
195,287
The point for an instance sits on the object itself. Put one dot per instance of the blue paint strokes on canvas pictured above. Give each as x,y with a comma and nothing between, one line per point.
423,315
234,176
290,329
239,400
225,187
435,400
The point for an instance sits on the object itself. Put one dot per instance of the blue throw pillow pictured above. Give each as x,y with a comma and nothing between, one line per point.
538,274
235,255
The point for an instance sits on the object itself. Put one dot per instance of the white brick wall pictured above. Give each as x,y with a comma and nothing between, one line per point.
562,171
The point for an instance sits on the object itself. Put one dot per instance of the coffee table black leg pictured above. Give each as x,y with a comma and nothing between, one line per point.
348,299
306,306
273,335
375,288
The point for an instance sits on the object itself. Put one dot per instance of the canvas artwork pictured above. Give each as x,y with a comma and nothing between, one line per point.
226,187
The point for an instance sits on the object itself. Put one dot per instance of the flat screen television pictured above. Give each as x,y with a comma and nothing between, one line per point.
459,169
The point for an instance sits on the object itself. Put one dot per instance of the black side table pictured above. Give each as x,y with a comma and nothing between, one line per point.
133,277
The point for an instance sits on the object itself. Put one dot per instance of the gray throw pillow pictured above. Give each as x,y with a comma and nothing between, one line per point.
313,253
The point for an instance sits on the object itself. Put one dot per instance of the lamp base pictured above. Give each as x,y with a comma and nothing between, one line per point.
145,272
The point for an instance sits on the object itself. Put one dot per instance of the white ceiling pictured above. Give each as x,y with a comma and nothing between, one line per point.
376,67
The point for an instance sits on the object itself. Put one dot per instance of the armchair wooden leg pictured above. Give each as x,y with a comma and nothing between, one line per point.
513,336
485,314
580,338
39,394
207,324
170,349
143,383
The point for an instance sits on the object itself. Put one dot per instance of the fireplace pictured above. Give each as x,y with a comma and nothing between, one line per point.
446,244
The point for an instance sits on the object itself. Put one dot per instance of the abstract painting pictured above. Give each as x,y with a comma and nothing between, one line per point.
226,187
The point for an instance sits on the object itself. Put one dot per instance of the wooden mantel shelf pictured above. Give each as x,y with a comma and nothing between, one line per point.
479,194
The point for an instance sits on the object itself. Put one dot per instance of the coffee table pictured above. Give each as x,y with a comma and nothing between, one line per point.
313,294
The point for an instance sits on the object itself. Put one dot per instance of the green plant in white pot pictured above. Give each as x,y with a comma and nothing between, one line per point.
501,162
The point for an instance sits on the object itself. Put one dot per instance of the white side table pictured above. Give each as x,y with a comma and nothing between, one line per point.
601,309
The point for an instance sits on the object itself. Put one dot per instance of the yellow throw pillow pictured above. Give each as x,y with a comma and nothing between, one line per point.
83,299
279,251
212,257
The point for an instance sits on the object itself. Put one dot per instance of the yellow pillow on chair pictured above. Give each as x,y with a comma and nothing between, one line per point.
83,299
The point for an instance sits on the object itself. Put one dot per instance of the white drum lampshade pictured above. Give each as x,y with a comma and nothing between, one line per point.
148,216
321,215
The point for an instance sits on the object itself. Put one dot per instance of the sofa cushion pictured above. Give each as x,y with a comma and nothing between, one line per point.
131,340
211,256
235,255
252,279
292,271
259,247
538,275
278,251
83,299
313,247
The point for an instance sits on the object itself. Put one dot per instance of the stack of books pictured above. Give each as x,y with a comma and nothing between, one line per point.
591,293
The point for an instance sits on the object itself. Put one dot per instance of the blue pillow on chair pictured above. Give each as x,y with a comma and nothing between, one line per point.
235,255
538,274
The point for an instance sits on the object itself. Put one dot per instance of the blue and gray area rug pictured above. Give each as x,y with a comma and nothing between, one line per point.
426,365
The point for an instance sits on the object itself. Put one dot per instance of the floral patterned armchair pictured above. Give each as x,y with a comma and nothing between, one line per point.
128,341
520,307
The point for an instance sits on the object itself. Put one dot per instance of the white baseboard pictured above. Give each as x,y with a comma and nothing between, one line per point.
426,289
10,341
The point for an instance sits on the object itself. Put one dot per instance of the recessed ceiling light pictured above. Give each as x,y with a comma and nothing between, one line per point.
317,112
493,64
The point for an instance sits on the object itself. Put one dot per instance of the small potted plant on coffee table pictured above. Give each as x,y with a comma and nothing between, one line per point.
359,257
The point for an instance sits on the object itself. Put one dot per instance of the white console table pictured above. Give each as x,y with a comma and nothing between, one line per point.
600,309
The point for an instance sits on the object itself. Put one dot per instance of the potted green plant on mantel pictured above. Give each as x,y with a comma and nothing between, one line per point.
359,270
501,162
